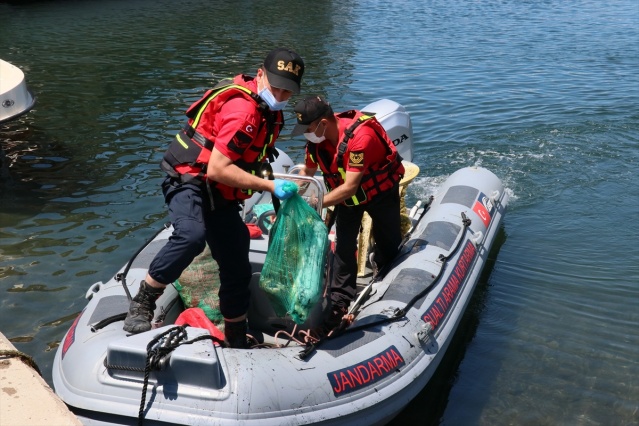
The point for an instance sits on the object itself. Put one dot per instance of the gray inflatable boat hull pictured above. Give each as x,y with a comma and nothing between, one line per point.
363,377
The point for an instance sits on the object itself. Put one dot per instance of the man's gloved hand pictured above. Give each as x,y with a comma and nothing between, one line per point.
284,189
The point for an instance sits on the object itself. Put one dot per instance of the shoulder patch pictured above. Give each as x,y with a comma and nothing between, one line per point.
243,137
356,159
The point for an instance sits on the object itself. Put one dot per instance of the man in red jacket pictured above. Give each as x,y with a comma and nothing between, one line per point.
361,170
212,166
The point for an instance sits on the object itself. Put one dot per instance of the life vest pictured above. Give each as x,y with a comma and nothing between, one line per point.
188,155
377,179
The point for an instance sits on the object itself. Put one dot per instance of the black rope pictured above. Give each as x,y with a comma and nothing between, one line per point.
122,276
147,371
109,320
142,370
155,357
158,351
121,367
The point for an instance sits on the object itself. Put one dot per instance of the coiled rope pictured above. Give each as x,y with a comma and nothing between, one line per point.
158,352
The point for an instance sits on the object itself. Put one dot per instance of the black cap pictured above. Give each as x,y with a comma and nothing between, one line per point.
309,110
284,69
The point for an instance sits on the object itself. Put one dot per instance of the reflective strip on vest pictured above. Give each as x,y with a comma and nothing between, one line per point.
197,118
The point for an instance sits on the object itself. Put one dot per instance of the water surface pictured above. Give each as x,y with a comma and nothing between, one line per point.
543,93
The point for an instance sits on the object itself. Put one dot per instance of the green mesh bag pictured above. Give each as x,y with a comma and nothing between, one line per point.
294,266
199,284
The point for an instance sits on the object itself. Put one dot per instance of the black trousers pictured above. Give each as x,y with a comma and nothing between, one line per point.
384,211
194,225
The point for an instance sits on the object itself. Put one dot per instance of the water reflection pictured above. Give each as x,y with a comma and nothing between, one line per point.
35,287
29,158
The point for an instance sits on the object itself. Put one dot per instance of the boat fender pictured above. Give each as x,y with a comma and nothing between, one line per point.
413,211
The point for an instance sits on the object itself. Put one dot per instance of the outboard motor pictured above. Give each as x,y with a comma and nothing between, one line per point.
396,121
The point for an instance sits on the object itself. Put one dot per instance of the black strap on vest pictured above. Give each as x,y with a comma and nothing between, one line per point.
341,150
191,133
349,133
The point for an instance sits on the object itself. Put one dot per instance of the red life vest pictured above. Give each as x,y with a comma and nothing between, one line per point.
377,178
188,154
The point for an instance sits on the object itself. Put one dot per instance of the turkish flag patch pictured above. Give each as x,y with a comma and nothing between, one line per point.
481,211
484,208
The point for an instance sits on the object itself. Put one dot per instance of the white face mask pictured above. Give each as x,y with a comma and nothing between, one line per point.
311,137
273,104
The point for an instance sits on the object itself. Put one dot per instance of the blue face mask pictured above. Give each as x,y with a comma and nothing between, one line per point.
273,104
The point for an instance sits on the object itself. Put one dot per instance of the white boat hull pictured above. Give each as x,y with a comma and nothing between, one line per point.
15,97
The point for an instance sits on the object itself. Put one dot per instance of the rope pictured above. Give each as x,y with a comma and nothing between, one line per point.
122,276
110,320
157,354
147,371
11,353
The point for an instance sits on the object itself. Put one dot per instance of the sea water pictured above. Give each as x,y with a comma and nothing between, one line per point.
543,93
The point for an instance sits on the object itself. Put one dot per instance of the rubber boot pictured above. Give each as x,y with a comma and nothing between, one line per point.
235,334
141,309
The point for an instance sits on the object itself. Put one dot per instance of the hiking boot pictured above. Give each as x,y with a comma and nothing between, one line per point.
235,334
141,309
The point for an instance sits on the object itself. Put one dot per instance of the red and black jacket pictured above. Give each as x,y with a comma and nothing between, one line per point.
188,154
377,178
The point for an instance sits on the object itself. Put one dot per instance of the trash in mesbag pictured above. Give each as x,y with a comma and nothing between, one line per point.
199,284
293,270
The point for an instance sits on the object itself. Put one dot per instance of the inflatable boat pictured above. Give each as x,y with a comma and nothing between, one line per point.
15,97
365,372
